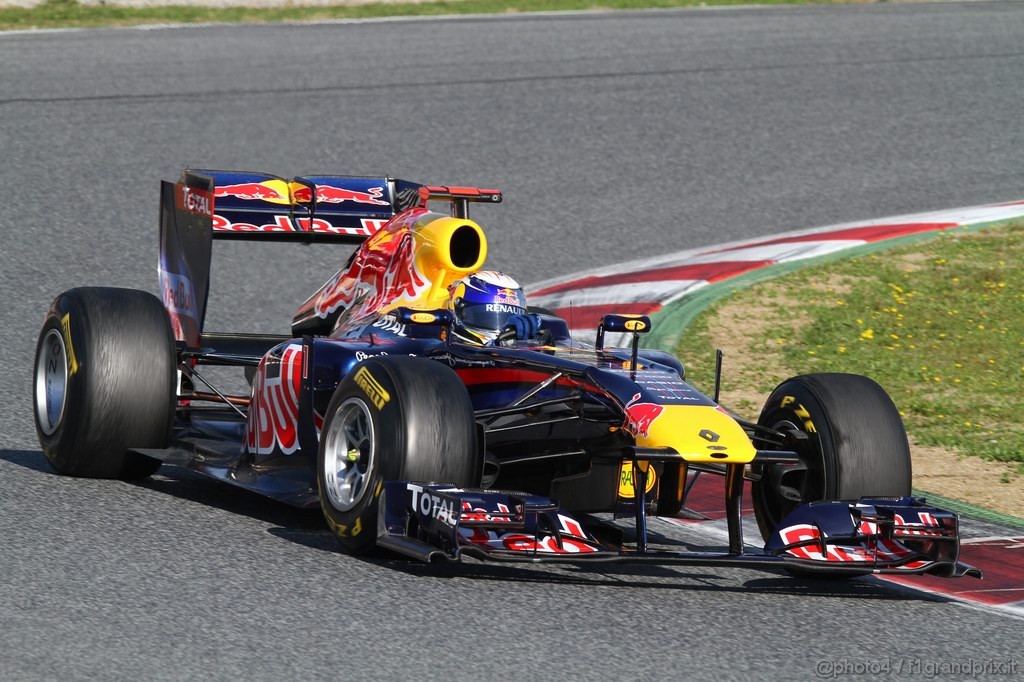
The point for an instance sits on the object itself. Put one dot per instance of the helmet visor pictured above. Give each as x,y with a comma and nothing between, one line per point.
489,316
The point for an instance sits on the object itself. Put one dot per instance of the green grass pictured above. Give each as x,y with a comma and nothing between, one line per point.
938,324
68,13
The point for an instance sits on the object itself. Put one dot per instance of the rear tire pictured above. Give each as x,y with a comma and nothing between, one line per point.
856,445
392,418
105,381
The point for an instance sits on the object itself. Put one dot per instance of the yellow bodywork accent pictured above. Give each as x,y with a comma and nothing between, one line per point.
699,433
282,187
433,261
434,257
293,189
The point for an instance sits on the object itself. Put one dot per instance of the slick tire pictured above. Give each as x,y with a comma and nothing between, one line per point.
392,418
856,445
105,381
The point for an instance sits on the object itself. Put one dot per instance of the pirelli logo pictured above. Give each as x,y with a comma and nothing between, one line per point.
372,388
65,325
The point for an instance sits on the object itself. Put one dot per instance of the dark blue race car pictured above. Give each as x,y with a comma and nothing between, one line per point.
426,409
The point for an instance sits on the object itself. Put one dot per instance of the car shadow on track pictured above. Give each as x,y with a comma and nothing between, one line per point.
655,577
188,485
194,487
306,527
30,459
644,576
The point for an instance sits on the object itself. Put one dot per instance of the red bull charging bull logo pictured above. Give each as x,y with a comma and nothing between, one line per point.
640,416
325,194
383,273
267,191
251,191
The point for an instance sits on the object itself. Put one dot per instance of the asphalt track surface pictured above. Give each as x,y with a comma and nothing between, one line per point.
614,137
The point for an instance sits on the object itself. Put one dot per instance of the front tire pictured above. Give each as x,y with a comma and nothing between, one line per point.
105,381
392,418
856,445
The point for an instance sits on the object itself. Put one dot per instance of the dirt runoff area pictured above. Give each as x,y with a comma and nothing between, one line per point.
740,329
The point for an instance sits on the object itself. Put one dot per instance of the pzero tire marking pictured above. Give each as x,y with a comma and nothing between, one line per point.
51,382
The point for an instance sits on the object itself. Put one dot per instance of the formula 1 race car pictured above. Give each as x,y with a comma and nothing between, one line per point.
412,438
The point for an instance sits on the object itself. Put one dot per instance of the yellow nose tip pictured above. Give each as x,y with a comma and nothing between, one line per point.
700,433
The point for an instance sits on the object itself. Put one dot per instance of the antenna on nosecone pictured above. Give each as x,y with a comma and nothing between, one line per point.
571,345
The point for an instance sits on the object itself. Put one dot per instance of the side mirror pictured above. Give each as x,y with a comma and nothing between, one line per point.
634,324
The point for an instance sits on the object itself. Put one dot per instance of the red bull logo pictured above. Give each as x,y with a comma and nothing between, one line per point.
274,413
507,296
277,191
283,223
640,416
336,195
250,191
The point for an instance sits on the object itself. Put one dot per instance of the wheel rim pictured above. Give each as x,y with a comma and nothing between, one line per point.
349,454
51,382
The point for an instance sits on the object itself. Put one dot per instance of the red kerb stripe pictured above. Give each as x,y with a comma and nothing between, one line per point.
587,316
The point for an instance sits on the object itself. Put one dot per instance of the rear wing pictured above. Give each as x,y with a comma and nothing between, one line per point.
323,208
236,205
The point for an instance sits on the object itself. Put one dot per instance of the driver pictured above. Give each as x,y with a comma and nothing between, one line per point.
488,303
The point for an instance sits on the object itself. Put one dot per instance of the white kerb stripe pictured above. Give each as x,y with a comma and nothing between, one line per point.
632,292
780,253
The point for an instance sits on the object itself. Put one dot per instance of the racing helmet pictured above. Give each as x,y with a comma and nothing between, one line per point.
482,303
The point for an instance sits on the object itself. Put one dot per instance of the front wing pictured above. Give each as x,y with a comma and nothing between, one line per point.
895,535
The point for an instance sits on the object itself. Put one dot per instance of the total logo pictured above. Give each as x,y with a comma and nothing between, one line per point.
194,200
434,506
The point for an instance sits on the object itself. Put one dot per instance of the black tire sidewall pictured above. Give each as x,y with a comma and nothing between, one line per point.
121,393
417,438
856,444
57,445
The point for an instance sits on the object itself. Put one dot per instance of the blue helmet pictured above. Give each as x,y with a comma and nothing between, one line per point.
482,303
